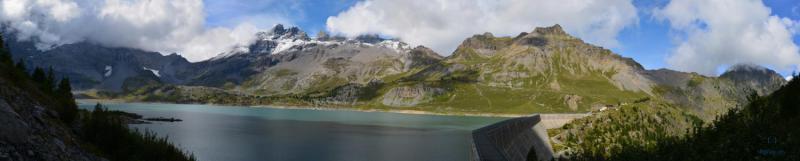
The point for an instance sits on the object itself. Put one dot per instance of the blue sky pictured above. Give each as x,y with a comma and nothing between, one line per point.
651,42
309,15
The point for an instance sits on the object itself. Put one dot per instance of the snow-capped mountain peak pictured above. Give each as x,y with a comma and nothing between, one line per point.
280,40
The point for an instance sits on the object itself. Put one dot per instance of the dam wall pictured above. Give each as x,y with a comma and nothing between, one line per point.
517,139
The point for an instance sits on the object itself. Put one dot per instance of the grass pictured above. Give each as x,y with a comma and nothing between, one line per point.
326,84
695,81
284,72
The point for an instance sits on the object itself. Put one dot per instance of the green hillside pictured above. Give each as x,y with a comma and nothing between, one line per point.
765,129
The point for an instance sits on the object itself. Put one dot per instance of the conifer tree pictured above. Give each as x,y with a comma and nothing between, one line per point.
64,88
69,109
38,75
50,81
98,108
20,65
5,56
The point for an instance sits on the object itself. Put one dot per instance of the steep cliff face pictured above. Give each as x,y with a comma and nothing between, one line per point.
409,96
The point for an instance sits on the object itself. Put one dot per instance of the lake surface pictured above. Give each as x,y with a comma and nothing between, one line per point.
234,133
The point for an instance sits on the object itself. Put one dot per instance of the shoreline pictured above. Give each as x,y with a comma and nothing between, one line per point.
398,111
411,112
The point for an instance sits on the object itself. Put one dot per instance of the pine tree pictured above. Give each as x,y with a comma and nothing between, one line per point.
64,88
50,81
20,65
38,75
41,80
5,56
69,109
98,108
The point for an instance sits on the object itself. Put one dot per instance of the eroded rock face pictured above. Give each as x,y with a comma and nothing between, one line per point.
572,101
552,30
410,95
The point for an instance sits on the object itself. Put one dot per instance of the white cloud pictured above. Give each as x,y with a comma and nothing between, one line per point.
717,33
165,26
788,78
443,24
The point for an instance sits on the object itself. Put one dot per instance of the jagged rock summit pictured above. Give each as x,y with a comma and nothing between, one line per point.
552,30
280,32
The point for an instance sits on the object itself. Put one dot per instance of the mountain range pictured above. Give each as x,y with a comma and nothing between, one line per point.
544,70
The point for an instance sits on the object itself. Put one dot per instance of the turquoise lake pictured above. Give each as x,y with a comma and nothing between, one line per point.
236,133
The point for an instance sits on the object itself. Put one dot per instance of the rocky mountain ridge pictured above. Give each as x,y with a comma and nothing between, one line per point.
546,70
286,61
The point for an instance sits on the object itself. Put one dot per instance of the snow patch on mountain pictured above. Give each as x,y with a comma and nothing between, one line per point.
395,45
108,70
293,44
155,72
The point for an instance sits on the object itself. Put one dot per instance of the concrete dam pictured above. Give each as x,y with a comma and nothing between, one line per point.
518,139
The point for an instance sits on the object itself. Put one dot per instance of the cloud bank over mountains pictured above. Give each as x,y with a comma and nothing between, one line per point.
721,33
165,26
442,24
